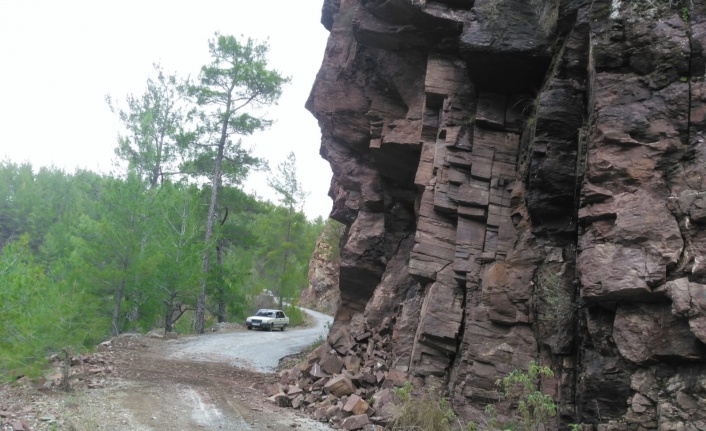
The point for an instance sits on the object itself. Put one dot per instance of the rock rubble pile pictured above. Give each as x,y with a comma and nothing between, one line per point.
346,381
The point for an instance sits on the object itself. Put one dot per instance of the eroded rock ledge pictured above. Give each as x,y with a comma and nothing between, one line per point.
523,179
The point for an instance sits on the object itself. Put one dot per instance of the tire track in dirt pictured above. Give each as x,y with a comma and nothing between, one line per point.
211,382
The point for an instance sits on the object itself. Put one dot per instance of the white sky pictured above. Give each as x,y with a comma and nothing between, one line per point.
58,60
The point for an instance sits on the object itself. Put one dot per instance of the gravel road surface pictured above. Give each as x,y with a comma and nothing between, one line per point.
254,350
157,384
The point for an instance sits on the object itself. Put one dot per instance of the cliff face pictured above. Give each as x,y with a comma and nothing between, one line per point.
323,294
525,179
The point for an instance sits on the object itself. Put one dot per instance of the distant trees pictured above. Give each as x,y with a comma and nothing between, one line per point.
155,125
177,238
41,311
18,198
86,255
283,261
114,246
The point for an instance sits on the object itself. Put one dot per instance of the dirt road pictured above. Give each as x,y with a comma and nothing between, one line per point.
253,350
166,385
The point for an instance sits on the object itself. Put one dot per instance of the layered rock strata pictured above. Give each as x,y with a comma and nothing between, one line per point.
525,180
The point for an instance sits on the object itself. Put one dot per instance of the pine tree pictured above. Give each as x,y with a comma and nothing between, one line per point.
235,82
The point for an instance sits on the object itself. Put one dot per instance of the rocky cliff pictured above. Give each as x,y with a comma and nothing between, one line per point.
524,180
322,293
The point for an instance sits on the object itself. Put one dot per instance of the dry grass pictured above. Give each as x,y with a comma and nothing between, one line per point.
558,309
429,412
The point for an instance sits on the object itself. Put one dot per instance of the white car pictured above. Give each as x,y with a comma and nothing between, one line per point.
268,319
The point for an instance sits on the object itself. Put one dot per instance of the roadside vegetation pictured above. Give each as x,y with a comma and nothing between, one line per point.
169,240
530,408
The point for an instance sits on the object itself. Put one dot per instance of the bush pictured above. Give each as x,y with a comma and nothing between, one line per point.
534,407
296,318
558,310
185,323
431,412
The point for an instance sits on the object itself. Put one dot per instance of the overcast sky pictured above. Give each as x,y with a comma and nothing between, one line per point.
60,58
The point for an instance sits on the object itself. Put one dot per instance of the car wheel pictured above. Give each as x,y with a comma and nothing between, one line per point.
249,328
283,326
272,326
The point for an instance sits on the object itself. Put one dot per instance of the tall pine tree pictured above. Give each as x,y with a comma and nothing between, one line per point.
228,90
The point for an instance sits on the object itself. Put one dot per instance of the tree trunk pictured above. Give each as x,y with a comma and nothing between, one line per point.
169,316
221,290
200,317
286,258
215,183
157,169
65,368
116,308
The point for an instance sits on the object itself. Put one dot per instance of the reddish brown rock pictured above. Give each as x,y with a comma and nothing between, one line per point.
322,293
520,181
293,391
352,364
330,364
355,422
356,405
342,341
317,371
339,386
647,332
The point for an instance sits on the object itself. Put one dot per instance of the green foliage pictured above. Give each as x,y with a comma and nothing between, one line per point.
176,236
404,392
156,138
286,244
430,412
287,185
184,324
236,82
286,262
296,317
31,203
116,247
39,315
534,407
85,255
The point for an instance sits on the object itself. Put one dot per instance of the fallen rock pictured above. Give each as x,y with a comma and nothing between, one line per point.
355,422
281,400
331,364
339,386
356,405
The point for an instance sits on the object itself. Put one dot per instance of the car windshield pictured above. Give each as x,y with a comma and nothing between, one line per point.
262,313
